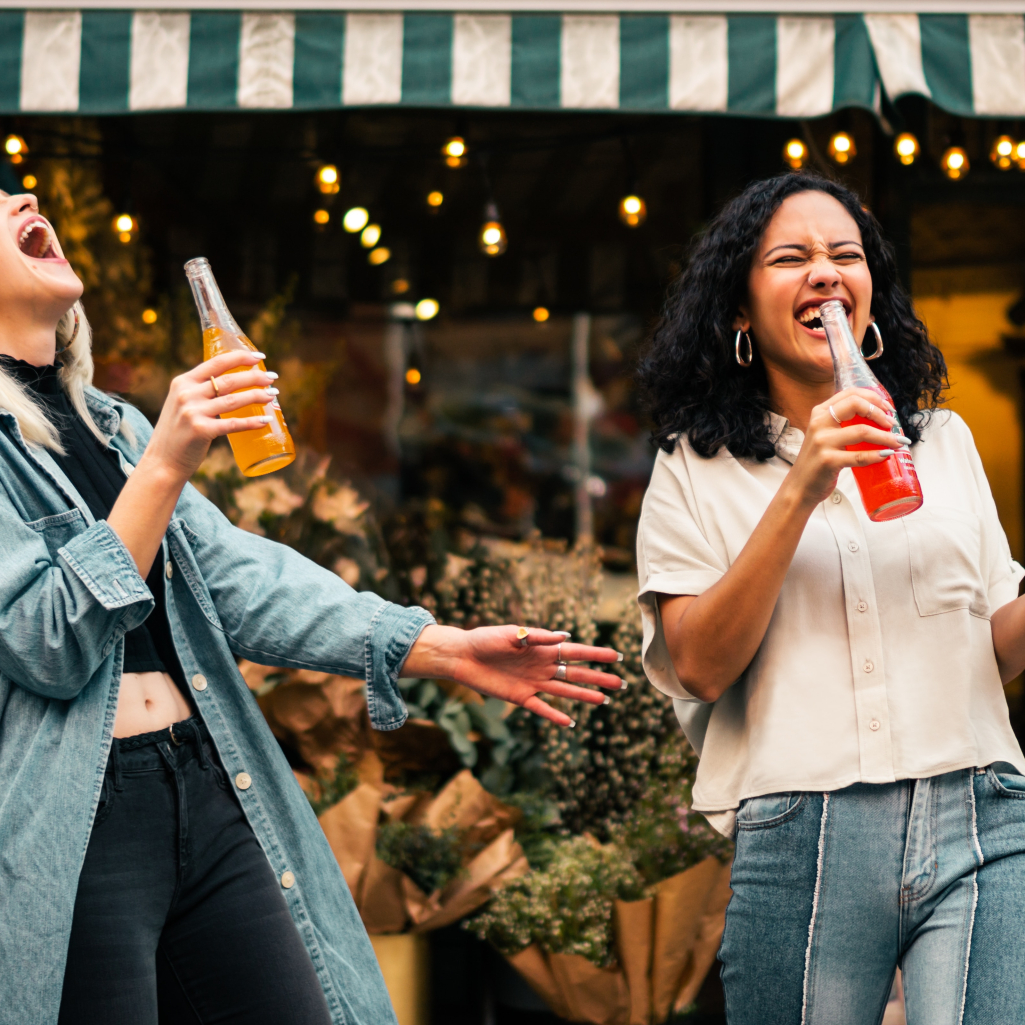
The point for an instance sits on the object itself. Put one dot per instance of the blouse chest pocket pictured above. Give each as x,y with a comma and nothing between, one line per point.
945,546
57,530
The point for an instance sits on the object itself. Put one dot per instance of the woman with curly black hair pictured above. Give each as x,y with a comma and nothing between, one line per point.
840,678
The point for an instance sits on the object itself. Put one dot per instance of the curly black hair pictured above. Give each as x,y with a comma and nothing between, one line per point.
693,383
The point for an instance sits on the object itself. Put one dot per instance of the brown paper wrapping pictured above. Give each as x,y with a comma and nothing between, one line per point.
351,830
665,947
382,904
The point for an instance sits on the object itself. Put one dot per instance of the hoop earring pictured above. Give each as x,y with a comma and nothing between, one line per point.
74,333
750,349
879,342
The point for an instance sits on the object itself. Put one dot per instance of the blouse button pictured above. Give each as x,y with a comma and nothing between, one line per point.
169,569
243,781
837,498
852,545
868,667
287,880
874,724
862,606
199,681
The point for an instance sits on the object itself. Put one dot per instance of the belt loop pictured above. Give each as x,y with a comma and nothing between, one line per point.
115,757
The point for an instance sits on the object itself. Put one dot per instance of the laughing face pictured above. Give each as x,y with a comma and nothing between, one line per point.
36,282
810,252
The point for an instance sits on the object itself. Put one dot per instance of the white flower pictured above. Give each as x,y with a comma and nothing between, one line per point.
341,508
262,496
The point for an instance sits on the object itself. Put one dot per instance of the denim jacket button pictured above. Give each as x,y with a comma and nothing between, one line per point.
199,681
169,569
243,781
287,880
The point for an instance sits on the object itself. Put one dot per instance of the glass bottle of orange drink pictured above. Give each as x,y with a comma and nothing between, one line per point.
259,451
888,489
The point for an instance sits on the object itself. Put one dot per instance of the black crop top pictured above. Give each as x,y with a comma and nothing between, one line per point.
96,474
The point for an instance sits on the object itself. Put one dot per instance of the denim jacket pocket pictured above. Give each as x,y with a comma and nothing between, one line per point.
769,810
57,530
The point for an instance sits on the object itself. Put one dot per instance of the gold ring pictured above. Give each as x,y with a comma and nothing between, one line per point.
217,393
832,413
521,636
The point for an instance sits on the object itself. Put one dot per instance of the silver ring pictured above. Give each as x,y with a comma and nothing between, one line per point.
522,636
832,413
560,671
558,653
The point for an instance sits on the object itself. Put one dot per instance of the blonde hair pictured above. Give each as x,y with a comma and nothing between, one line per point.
76,375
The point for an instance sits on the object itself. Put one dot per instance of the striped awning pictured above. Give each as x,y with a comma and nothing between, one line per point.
109,61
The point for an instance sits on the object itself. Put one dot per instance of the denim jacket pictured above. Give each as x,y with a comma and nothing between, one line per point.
69,590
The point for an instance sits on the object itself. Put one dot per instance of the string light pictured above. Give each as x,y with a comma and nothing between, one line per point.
842,149
371,236
321,216
954,163
412,376
492,238
906,147
795,153
124,226
400,286
427,309
1019,155
149,316
30,181
454,151
632,210
1002,153
355,219
541,314
328,179
382,254
435,198
14,146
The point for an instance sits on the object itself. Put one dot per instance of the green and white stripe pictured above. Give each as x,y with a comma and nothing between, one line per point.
108,61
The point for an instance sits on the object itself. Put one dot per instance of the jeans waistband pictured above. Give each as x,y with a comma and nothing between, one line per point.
161,749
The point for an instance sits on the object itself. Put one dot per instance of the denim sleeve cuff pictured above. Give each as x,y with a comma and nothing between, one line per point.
391,634
99,559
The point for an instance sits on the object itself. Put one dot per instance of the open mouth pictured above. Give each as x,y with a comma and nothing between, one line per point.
809,316
36,240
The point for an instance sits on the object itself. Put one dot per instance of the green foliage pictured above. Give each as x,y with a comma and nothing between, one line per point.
432,860
537,830
333,786
567,907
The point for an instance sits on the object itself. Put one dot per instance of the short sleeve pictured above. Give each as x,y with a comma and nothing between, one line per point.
673,557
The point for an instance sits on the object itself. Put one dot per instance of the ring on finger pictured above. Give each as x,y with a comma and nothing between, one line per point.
217,391
558,654
560,671
832,413
522,636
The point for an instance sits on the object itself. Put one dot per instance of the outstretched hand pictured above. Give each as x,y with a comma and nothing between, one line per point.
514,664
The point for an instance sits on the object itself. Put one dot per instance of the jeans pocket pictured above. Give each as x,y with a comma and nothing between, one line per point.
1007,784
769,810
103,809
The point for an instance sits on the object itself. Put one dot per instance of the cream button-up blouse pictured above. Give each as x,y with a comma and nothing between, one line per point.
878,662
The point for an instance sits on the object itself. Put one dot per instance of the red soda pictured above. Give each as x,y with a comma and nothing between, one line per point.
891,488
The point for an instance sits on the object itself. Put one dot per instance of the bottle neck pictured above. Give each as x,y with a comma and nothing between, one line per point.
849,367
213,310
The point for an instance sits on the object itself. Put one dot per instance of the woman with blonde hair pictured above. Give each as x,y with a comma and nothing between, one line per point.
158,860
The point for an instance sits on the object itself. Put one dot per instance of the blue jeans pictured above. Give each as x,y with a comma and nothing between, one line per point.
831,892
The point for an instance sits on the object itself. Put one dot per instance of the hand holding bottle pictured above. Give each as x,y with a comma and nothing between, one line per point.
826,449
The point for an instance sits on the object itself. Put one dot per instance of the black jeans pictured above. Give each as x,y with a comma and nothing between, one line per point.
179,919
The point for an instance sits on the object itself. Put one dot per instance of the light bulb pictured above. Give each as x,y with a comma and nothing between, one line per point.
149,316
842,149
16,149
321,216
1019,155
1002,153
412,374
355,219
378,256
795,153
30,181
125,236
454,151
541,314
124,222
328,179
400,286
492,238
435,198
371,236
427,309
632,210
954,163
906,147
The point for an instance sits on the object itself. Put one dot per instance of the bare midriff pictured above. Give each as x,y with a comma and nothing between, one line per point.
148,702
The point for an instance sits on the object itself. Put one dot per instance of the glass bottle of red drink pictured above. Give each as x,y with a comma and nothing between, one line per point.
888,489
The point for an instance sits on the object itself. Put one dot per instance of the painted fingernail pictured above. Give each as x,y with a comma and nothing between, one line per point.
619,656
624,686
563,633
273,391
903,440
572,723
272,375
607,701
260,355
265,419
